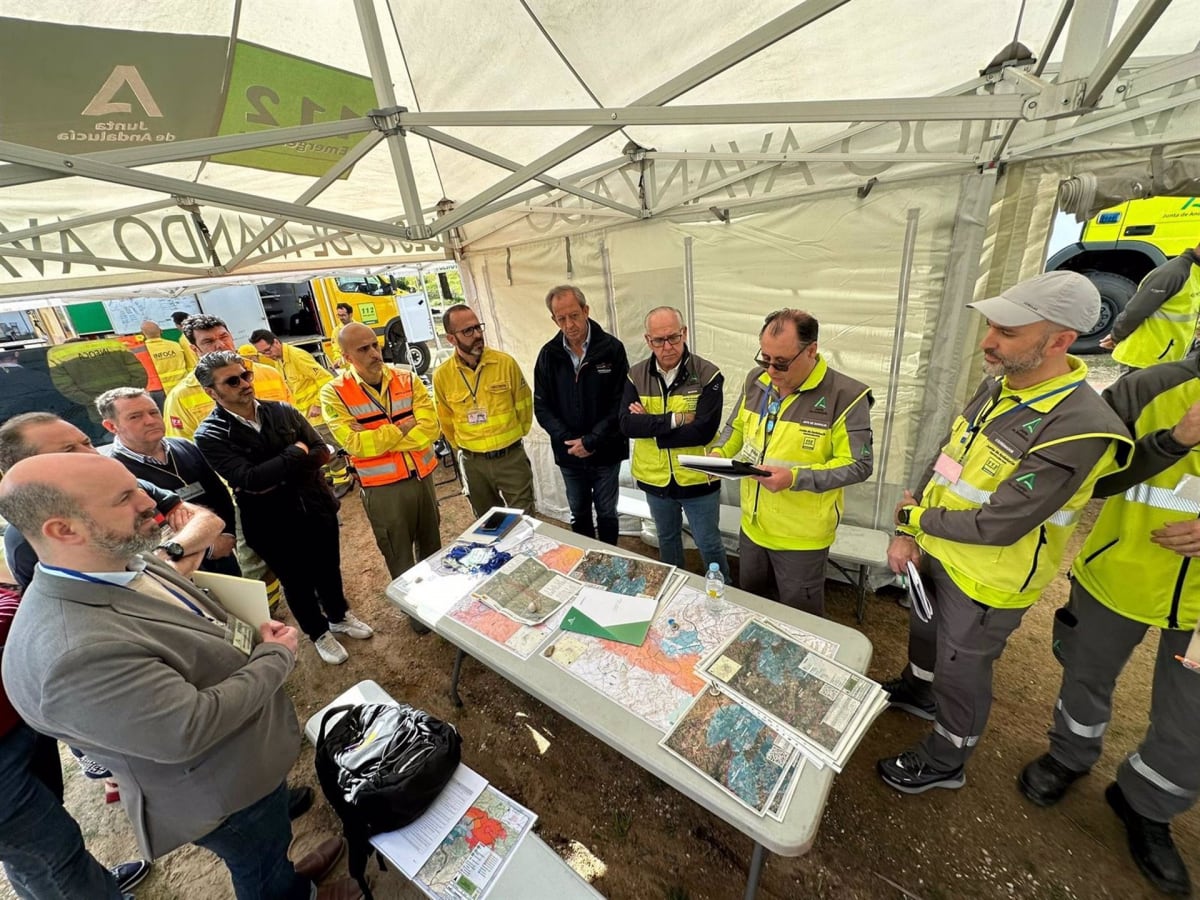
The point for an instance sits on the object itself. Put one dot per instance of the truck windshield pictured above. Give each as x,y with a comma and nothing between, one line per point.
372,285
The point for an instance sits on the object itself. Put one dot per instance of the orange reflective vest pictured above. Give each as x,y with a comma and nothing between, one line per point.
394,465
139,349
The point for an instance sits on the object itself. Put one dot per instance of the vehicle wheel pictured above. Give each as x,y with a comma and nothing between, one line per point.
418,357
1115,291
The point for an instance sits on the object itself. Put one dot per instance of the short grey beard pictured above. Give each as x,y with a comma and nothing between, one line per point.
122,546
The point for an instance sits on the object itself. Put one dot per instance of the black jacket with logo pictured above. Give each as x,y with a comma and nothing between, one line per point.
587,403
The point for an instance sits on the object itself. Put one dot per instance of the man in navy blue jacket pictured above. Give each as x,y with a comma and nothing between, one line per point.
578,382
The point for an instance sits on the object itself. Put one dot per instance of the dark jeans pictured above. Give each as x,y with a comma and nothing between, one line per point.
593,485
306,557
40,844
253,843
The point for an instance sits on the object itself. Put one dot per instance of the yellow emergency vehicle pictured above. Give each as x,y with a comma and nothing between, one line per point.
1120,246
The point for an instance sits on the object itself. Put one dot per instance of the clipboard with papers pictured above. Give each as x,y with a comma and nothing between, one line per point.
721,468
918,600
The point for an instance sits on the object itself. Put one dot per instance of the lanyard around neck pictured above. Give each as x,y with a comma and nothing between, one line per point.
92,579
980,421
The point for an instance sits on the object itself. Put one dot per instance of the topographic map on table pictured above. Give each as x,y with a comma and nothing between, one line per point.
784,680
523,640
476,849
622,574
731,745
527,590
657,680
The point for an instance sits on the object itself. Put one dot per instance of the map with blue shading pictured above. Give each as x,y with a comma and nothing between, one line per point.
622,574
730,744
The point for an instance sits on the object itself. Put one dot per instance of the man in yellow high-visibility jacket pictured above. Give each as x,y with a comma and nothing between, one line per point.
170,362
808,427
1158,324
672,406
188,404
485,408
385,419
304,375
990,519
1137,569
189,352
345,315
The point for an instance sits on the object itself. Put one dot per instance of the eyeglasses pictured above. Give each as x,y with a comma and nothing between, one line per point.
659,342
470,330
781,366
235,380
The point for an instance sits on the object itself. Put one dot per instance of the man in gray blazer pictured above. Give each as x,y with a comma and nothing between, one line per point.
115,653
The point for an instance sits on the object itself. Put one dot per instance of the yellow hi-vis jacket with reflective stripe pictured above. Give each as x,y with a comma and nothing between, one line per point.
1165,328
1119,565
496,388
367,423
822,431
652,463
189,352
169,361
1028,462
188,405
304,376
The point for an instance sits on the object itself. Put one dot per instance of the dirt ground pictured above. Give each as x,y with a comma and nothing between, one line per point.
982,841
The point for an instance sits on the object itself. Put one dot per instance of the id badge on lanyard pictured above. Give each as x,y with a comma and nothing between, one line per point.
239,635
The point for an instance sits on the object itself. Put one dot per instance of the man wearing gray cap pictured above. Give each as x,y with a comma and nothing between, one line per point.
989,521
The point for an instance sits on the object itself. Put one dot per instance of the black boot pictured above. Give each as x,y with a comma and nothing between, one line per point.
1151,847
1045,780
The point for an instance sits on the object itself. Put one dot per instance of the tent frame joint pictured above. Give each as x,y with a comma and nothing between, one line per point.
387,121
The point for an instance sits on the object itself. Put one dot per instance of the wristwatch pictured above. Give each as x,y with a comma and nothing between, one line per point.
174,550
902,517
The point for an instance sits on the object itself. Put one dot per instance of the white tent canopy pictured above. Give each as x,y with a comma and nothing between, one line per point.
728,157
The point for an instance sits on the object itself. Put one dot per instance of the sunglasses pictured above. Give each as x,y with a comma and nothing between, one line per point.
659,342
471,330
234,380
781,366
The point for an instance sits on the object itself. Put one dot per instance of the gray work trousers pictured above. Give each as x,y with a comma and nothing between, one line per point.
403,513
795,578
1161,779
504,481
950,659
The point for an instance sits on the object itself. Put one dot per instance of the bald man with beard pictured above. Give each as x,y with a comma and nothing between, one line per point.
385,419
114,652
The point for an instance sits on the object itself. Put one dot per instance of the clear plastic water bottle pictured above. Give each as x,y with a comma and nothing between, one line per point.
714,586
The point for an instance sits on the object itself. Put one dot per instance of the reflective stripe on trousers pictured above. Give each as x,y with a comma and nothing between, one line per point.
959,742
1076,727
1163,784
918,672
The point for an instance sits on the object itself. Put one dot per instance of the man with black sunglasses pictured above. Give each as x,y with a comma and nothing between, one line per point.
809,427
485,408
271,456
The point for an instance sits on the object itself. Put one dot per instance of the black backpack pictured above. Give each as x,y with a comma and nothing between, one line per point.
380,767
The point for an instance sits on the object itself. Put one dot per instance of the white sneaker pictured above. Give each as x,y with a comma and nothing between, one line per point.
353,627
330,650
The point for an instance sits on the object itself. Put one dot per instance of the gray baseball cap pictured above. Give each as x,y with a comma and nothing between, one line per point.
1065,298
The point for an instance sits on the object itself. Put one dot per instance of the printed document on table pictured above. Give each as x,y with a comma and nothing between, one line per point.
409,847
470,859
615,617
